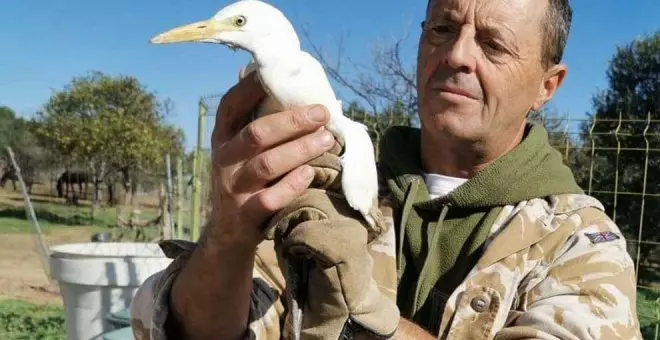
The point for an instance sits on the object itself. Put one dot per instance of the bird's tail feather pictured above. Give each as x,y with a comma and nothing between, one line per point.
359,175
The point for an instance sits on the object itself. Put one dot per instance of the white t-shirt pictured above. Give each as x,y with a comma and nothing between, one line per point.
441,185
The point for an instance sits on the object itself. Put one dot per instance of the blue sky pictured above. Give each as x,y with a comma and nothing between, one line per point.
45,43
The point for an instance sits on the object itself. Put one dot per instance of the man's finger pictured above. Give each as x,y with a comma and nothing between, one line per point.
270,131
276,162
283,192
235,105
278,128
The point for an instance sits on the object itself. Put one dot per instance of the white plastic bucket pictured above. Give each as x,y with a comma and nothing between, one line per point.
97,279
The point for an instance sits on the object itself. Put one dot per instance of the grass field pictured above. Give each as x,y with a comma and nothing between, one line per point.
22,320
648,311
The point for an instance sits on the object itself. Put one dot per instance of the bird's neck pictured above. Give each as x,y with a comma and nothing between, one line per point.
275,52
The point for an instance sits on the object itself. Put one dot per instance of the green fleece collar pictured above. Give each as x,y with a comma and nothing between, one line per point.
532,169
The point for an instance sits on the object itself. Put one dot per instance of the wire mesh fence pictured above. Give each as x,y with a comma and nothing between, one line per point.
615,158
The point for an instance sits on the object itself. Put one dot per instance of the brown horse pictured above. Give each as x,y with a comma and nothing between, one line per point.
10,175
69,178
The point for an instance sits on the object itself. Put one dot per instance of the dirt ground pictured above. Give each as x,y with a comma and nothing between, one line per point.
22,275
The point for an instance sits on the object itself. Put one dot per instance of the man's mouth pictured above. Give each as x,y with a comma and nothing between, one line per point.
454,90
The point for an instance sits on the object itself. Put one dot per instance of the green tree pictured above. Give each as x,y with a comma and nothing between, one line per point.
18,134
7,117
562,136
111,125
393,114
619,128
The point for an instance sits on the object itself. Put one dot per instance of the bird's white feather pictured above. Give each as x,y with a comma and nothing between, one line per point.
293,77
301,80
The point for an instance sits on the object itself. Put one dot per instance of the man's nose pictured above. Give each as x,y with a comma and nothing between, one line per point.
462,52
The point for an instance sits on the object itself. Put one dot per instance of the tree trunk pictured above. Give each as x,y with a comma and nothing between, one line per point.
98,178
112,197
135,204
126,201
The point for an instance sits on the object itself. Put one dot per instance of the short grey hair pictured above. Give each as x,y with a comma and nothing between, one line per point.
556,25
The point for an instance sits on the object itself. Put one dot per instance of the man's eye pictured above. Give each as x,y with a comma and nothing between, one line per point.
493,46
441,29
439,34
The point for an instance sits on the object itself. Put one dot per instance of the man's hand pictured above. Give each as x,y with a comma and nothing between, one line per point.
410,330
257,169
407,330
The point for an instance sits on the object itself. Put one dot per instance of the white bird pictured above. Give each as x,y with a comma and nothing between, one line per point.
291,77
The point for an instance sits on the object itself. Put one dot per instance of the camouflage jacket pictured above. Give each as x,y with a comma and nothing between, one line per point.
553,268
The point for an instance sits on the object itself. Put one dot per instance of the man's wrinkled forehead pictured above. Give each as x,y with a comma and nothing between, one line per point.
436,6
503,11
455,4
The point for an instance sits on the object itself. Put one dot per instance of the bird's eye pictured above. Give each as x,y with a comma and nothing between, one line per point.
240,20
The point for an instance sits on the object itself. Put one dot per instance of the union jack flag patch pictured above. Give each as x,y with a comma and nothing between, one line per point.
600,237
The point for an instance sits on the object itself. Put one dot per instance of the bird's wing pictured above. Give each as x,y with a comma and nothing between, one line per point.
298,80
313,67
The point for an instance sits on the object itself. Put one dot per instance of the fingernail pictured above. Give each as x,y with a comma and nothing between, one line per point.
307,173
324,139
317,114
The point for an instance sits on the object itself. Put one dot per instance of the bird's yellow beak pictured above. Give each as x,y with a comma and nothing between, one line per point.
195,32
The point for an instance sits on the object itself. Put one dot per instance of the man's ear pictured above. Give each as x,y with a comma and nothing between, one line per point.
552,79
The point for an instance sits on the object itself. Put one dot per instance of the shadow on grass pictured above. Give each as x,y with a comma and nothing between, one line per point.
74,219
52,200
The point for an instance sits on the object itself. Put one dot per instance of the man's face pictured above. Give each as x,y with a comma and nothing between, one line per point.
479,68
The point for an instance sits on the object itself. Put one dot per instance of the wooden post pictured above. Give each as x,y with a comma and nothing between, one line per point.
168,195
179,198
166,218
197,170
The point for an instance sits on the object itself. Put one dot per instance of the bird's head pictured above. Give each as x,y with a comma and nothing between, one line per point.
245,24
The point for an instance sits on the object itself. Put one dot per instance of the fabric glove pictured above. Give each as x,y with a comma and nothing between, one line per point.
330,257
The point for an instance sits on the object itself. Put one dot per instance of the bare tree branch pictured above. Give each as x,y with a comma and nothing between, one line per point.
334,71
385,81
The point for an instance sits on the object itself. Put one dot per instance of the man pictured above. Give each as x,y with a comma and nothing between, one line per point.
494,238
